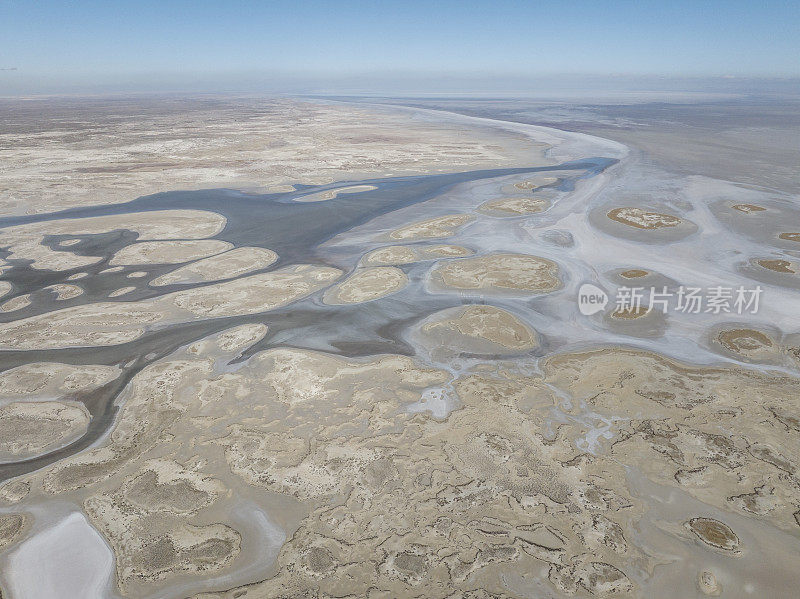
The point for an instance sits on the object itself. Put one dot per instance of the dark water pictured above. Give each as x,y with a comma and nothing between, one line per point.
294,230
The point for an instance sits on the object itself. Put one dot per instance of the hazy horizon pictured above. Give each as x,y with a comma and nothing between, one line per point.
392,47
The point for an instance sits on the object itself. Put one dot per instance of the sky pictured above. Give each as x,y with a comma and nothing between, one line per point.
95,45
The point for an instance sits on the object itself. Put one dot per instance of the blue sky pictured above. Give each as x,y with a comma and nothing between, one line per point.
81,44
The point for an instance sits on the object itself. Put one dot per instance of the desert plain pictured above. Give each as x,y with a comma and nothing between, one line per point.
258,347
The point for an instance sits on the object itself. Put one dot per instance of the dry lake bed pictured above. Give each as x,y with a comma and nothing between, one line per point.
313,348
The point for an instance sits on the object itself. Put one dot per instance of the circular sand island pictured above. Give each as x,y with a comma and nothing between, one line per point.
499,273
748,344
641,219
478,329
638,224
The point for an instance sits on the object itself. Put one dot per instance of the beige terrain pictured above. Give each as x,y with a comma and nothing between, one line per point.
641,219
367,284
376,413
229,264
134,147
100,324
16,303
780,266
480,329
441,226
483,494
408,254
500,273
533,183
514,206
26,241
50,380
65,291
28,429
168,252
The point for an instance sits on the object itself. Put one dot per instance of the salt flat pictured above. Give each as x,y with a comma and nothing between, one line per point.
329,348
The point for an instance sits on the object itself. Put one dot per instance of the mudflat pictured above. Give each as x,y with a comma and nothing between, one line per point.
352,361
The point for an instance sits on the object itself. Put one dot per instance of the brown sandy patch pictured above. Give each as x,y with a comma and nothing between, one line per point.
535,183
500,272
714,533
641,219
696,428
390,255
471,327
65,152
631,313
148,522
746,342
374,498
65,291
748,208
634,273
441,226
781,266
14,491
11,527
514,206
253,294
113,323
226,265
790,236
707,583
446,251
367,284
168,252
16,303
25,241
406,254
41,380
31,428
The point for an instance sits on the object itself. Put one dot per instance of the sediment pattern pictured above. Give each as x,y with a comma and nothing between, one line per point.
199,402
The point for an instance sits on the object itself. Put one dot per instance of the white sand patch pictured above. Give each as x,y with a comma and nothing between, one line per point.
69,559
